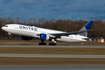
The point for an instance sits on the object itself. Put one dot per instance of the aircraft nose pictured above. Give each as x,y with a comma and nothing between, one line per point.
3,28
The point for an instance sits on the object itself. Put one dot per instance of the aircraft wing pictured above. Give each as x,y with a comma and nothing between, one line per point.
68,33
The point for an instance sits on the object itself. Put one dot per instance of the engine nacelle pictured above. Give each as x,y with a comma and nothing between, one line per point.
44,37
26,38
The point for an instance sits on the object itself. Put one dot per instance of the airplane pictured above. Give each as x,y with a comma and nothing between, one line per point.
30,32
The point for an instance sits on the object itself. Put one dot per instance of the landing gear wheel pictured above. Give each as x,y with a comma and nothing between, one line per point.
52,43
42,43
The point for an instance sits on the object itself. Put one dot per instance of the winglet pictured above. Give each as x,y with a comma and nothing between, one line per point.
86,27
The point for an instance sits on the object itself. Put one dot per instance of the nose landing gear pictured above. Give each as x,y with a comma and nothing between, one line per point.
9,35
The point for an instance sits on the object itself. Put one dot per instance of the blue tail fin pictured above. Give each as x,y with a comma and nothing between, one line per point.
86,27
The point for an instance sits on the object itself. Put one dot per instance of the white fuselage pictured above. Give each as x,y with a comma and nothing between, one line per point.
32,31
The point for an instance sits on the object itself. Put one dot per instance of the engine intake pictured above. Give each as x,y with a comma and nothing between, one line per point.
44,37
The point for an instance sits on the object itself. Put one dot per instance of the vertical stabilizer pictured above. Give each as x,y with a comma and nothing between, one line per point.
86,27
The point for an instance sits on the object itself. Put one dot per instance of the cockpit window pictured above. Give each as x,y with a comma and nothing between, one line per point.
5,26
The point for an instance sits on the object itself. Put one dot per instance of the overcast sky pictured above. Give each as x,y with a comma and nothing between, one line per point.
57,9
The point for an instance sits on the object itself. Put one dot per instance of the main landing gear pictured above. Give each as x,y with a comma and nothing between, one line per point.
52,43
42,43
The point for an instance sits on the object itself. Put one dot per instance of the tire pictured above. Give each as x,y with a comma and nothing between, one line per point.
42,43
52,43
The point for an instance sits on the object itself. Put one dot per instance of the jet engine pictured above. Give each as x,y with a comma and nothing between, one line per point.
44,37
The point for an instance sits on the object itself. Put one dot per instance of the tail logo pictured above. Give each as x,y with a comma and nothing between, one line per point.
84,33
